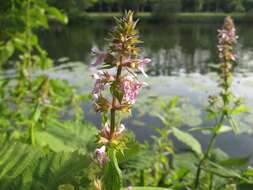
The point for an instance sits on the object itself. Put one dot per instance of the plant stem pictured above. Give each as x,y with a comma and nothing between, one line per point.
28,34
113,111
209,148
211,182
32,127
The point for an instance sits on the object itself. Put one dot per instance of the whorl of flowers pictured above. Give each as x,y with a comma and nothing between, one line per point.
227,39
123,84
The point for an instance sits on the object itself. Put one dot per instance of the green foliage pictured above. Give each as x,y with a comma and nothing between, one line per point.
30,98
67,136
235,162
24,167
188,140
112,179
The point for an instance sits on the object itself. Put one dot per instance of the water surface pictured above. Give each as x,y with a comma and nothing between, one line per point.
184,60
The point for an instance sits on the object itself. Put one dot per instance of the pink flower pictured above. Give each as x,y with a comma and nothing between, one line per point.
120,131
101,79
101,155
99,84
141,64
227,36
105,131
137,64
130,86
101,56
129,188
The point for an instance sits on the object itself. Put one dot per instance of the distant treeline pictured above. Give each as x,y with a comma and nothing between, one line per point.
160,9
151,5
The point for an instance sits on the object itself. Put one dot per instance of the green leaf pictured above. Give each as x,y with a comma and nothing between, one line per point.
54,13
174,102
187,161
235,162
223,129
25,167
188,140
131,150
233,124
248,172
112,179
117,93
37,113
211,129
219,170
67,136
211,114
240,109
217,155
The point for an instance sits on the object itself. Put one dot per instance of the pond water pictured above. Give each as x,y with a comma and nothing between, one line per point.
183,56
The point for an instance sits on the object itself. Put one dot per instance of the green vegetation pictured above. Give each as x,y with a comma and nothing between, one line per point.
159,9
45,141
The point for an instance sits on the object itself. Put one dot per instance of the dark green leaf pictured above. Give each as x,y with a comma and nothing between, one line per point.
235,162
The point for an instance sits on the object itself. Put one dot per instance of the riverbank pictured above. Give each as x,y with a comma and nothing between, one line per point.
179,17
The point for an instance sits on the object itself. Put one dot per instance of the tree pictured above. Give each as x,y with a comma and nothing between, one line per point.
198,5
165,9
248,4
236,6
72,5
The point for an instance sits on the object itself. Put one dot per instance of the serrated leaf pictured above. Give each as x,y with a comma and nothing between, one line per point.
188,140
67,136
26,167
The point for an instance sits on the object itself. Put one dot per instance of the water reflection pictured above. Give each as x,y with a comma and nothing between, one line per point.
175,49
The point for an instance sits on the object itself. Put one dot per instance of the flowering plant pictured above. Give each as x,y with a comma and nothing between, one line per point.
124,87
224,106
